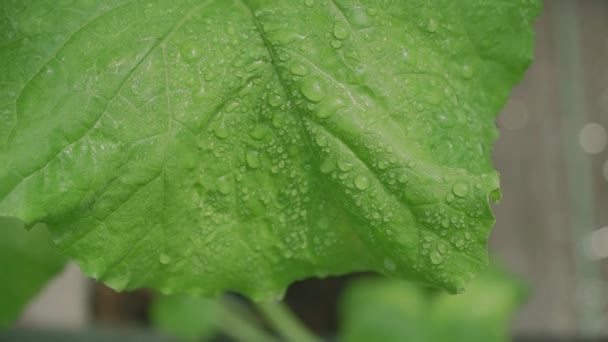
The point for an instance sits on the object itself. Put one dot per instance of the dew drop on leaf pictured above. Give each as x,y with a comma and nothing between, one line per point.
327,166
340,30
460,189
252,157
449,198
313,90
164,258
259,132
467,71
299,69
220,130
118,283
383,164
431,25
190,52
321,140
441,248
345,165
275,100
362,182
224,186
436,258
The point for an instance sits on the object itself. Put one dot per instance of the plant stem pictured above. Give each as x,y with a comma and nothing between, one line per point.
232,323
288,326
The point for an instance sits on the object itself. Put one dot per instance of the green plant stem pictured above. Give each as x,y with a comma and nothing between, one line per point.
286,324
232,323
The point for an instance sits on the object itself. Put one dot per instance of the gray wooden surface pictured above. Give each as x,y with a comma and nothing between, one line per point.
538,233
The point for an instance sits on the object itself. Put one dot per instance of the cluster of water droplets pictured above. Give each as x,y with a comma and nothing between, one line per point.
266,116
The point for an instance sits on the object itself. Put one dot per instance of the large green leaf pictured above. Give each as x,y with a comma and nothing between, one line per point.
200,145
28,260
391,310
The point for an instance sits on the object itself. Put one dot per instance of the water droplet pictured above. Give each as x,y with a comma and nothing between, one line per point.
445,223
327,166
330,107
336,44
460,189
259,132
232,106
220,130
321,140
449,198
309,3
275,100
402,178
224,185
383,164
467,71
345,165
436,258
441,248
277,121
431,25
313,90
362,182
299,69
190,52
118,283
164,258
340,30
252,157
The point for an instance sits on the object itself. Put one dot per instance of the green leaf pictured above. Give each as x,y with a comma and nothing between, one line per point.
391,310
190,318
28,260
201,146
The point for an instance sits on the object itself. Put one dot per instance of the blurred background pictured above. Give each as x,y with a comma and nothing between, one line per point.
552,224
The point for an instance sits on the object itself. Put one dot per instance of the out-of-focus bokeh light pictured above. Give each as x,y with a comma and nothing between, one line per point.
596,244
593,138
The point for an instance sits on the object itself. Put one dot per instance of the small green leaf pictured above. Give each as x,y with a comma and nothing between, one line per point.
201,146
186,317
391,310
28,260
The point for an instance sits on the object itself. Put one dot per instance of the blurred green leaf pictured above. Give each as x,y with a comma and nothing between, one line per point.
186,317
393,310
28,260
